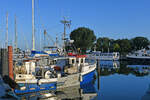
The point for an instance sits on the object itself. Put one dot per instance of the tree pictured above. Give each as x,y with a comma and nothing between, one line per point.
116,47
83,38
139,43
125,45
104,44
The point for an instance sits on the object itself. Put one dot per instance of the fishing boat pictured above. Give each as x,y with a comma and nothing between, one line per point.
45,74
26,77
76,65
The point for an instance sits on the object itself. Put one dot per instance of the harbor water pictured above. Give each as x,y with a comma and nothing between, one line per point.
114,80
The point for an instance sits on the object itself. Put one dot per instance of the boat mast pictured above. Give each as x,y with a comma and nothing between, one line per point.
15,34
6,45
66,24
45,38
33,33
56,43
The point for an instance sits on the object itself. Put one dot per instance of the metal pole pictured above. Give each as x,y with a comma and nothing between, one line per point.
66,23
33,33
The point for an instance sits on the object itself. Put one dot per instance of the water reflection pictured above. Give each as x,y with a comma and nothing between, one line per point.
83,92
147,94
110,64
113,67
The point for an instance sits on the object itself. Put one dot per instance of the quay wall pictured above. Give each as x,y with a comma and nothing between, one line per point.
4,70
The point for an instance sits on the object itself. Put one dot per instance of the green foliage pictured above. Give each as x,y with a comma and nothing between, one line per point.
139,43
125,45
103,44
116,47
83,38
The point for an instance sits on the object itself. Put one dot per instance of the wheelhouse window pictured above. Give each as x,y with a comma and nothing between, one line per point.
72,61
77,61
81,60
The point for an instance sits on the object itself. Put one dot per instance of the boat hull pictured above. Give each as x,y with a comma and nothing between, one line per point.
29,88
87,78
138,58
88,75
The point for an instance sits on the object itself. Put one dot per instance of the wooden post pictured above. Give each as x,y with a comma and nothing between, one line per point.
98,74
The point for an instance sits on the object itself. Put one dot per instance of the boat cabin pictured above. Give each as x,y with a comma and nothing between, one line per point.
25,70
74,64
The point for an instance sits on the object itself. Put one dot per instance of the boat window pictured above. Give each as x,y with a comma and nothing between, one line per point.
97,54
21,84
19,63
72,61
77,61
81,60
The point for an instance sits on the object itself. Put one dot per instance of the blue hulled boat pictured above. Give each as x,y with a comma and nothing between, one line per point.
32,76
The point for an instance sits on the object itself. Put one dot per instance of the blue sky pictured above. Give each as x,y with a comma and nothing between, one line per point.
108,18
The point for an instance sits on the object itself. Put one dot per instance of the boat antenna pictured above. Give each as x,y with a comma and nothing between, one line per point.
66,24
33,30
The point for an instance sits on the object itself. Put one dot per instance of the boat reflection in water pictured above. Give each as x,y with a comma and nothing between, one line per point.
109,67
113,67
83,92
141,69
110,64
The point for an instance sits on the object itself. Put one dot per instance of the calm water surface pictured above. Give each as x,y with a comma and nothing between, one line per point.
115,81
126,81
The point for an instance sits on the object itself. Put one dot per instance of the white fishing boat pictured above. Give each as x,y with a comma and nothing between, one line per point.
41,74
